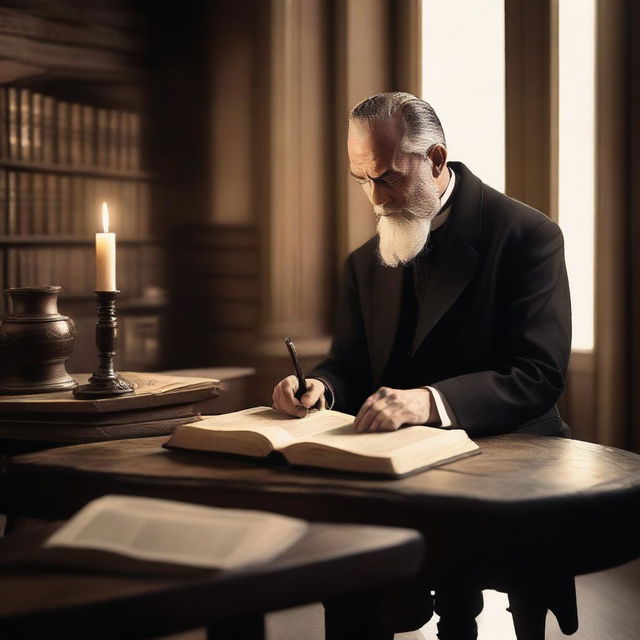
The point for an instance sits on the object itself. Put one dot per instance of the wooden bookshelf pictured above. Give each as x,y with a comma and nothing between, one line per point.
85,172
72,135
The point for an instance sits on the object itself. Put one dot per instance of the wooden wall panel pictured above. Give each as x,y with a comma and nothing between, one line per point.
529,102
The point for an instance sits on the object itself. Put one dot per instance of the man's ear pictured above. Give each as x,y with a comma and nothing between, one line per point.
438,156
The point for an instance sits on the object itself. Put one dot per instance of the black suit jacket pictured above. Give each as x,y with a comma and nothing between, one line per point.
493,335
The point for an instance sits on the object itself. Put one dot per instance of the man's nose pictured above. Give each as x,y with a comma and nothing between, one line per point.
379,194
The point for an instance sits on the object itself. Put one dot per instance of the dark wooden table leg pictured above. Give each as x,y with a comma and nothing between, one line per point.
529,615
245,628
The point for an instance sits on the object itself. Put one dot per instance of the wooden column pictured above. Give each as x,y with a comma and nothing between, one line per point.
613,395
364,65
531,155
294,204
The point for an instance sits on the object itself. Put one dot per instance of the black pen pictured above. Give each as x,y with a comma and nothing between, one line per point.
302,383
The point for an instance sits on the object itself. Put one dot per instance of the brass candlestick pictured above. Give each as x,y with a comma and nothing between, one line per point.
105,382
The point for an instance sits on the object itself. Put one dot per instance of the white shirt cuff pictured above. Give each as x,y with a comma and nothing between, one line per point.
445,421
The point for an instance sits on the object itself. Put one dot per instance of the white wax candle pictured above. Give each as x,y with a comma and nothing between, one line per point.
105,255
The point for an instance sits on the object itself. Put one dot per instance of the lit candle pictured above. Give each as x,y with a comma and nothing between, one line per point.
105,255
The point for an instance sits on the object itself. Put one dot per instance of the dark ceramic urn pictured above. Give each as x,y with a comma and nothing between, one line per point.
35,343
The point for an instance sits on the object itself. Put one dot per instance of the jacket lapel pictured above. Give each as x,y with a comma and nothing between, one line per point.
455,262
453,267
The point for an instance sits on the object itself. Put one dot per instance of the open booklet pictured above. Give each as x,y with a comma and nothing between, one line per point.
175,533
323,439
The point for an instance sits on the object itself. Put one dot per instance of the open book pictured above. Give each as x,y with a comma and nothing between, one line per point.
169,532
323,439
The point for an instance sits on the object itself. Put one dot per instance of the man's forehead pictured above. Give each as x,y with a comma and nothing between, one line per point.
379,138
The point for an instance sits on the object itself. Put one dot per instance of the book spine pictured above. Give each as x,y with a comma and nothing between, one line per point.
13,268
39,223
114,139
4,122
4,201
123,137
78,186
13,104
25,201
102,143
91,205
134,142
62,133
12,203
25,124
52,204
75,114
88,136
64,204
36,126
48,129
24,263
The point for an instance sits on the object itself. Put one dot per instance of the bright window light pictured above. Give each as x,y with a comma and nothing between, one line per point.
576,121
463,80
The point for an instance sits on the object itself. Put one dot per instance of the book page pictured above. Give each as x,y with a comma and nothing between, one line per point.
278,428
173,532
385,443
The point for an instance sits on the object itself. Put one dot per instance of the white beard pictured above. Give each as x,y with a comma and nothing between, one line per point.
400,239
403,233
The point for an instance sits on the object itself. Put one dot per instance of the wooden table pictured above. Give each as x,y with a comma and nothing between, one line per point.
159,404
39,600
530,512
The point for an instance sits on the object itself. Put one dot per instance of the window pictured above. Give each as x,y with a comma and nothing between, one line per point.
463,80
576,158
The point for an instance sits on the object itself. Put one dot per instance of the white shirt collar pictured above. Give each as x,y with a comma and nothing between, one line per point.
445,204
444,198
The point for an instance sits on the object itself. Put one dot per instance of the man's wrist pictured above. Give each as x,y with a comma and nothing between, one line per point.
329,396
434,416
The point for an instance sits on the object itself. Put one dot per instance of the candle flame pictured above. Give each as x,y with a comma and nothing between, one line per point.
105,217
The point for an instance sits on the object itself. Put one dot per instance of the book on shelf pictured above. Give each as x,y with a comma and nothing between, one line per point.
324,439
138,532
13,122
64,205
53,204
39,204
63,127
24,112
4,122
102,138
114,139
36,127
4,196
12,203
75,134
88,135
48,130
25,199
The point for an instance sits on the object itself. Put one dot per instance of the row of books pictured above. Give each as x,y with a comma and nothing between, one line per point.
40,129
37,203
140,271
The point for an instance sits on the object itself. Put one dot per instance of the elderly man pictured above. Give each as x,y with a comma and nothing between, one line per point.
456,314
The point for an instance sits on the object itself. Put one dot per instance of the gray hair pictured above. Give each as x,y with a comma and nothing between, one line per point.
422,126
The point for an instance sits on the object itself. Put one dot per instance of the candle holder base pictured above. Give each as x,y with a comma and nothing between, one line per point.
103,387
105,382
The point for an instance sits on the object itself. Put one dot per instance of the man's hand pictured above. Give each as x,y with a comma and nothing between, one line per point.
285,401
388,409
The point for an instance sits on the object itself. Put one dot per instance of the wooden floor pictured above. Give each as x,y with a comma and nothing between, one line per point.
608,609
